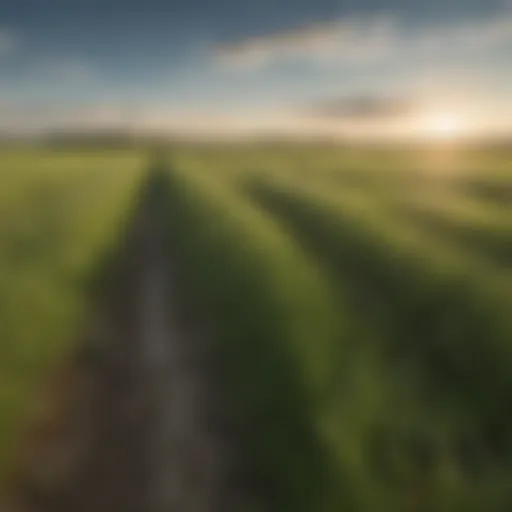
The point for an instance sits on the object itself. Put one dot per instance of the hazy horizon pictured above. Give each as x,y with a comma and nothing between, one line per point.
370,69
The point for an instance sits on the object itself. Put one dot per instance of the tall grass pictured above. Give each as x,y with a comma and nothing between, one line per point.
65,214
272,318
439,319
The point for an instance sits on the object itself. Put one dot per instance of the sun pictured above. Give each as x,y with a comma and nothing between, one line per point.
442,126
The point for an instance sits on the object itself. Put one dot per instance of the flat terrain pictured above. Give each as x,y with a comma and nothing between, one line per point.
267,328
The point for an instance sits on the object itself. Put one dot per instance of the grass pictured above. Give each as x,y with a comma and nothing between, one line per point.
275,327
439,318
359,303
60,214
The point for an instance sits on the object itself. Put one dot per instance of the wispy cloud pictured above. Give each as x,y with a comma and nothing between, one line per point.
347,39
366,40
365,108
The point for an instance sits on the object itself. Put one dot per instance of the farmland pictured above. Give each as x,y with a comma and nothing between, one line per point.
356,302
60,216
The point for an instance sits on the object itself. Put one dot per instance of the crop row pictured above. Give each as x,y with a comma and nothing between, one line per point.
436,321
63,216
276,331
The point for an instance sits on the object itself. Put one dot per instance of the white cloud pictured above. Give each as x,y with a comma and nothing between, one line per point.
366,40
347,39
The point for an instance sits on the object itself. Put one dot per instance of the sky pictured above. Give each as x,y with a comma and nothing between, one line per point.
389,68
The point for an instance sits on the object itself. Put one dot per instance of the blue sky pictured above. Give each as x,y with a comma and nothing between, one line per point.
199,65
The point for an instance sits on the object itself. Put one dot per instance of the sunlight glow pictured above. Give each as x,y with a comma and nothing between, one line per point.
442,126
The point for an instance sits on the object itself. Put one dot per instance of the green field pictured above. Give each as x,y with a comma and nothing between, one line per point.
60,216
360,302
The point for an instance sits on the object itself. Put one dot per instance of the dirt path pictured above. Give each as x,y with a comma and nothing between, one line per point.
129,425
